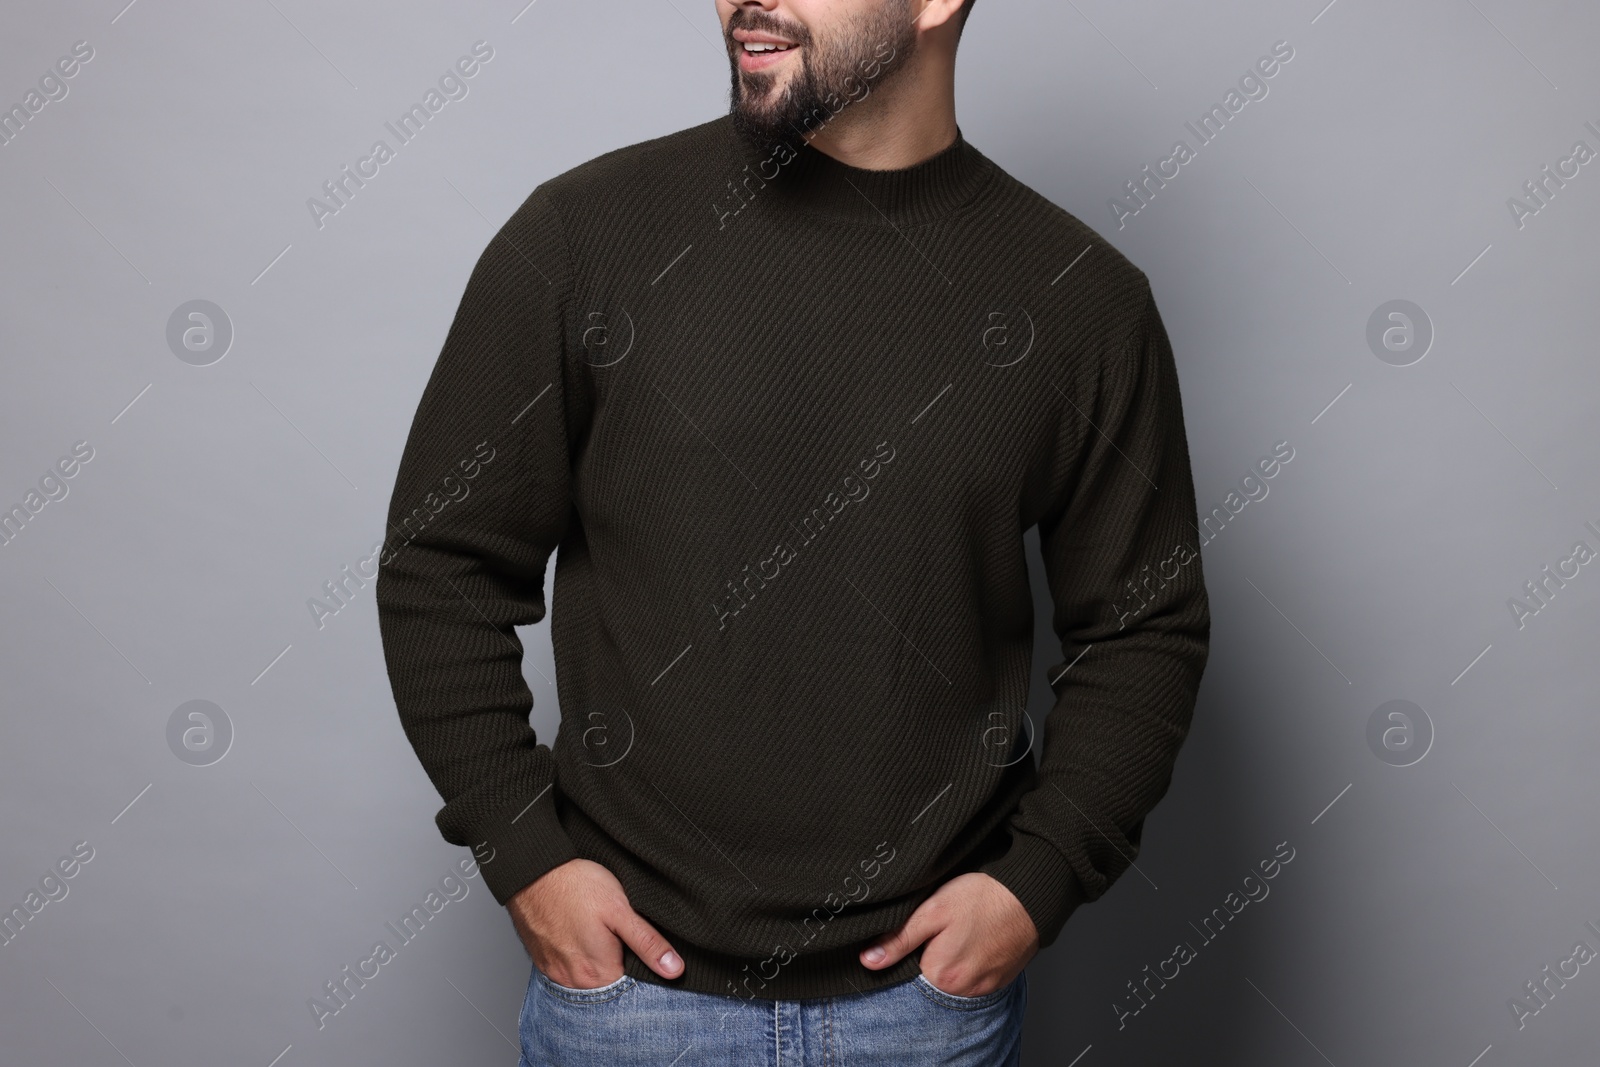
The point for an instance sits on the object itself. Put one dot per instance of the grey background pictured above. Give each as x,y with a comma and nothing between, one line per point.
178,567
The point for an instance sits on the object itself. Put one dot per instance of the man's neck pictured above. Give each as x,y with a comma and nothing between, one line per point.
897,125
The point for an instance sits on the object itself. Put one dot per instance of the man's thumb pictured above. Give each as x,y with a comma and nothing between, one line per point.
890,950
648,944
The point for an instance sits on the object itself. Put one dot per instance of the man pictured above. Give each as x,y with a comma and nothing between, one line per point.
782,393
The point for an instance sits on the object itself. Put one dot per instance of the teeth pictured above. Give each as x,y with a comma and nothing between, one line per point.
754,46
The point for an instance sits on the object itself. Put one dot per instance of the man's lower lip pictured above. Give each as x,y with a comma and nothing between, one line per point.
762,60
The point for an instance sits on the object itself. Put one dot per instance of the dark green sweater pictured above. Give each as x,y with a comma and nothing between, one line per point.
782,423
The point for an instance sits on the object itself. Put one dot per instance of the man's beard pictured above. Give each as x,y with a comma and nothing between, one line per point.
832,74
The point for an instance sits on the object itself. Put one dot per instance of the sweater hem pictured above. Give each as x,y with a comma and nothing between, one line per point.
832,973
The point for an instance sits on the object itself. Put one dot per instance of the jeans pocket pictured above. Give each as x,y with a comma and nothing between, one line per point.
610,991
959,1003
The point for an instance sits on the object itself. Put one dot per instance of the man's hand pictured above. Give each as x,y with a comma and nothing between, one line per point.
571,918
979,937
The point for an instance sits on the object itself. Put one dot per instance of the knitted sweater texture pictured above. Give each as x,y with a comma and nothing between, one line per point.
782,423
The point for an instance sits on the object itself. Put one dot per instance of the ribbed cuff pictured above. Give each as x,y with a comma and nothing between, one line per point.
1042,879
525,841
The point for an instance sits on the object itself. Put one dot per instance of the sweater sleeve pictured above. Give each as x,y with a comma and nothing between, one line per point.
481,499
1131,611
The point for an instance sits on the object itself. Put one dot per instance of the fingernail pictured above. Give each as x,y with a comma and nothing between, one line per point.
671,961
875,954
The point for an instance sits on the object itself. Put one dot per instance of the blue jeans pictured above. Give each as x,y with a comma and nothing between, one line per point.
630,1023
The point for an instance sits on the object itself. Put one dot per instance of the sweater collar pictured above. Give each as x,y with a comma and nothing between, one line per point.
796,176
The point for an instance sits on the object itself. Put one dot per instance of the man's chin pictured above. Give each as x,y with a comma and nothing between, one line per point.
762,128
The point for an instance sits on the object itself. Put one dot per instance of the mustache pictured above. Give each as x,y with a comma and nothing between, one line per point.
763,22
